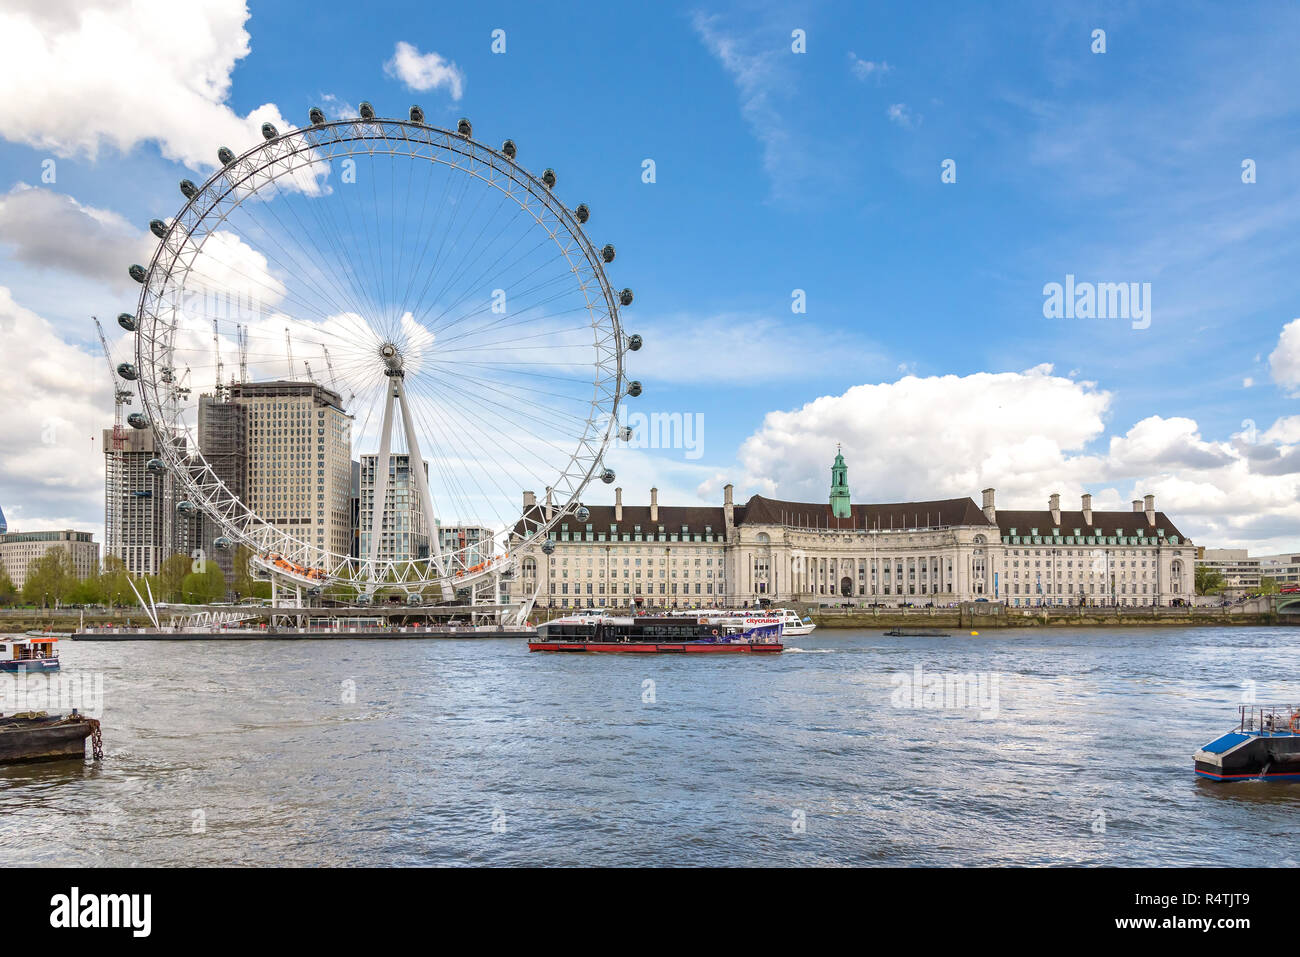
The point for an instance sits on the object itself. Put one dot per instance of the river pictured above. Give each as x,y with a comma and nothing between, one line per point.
1073,747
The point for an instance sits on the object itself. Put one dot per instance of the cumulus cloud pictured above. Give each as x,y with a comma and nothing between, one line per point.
424,71
1284,363
901,114
49,230
79,77
56,397
1028,434
867,69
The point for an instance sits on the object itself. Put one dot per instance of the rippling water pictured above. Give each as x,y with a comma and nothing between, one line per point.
478,752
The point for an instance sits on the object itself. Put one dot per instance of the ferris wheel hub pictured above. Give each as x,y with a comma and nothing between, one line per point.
392,357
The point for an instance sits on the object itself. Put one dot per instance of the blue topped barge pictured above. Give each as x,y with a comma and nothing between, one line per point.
1264,746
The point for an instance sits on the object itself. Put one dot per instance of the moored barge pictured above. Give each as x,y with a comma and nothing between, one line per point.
38,736
667,635
1265,745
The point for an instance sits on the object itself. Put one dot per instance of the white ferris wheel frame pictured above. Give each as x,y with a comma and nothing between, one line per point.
283,155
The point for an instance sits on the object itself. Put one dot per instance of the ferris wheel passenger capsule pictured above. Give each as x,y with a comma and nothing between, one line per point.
269,132
316,115
625,433
634,343
582,514
416,114
137,420
127,372
625,297
607,476
634,388
126,321
367,111
137,273
548,177
607,253
582,213
158,228
188,189
186,507
155,467
225,156
464,127
223,543
548,547
509,148
415,599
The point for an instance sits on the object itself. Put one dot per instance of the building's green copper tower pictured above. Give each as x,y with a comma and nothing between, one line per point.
840,506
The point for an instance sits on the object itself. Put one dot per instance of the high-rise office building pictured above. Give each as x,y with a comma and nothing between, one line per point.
299,443
144,510
403,535
223,440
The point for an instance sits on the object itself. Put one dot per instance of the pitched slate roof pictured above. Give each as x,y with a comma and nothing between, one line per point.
760,510
1024,520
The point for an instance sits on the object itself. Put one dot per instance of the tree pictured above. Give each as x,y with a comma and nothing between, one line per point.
50,579
171,577
244,584
8,591
1208,581
205,587
1268,586
114,583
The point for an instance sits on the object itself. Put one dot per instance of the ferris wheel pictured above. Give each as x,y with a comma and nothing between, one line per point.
406,291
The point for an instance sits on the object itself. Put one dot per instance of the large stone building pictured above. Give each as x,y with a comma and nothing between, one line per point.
939,551
18,550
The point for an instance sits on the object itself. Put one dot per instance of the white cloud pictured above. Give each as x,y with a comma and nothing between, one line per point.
57,399
1028,435
866,69
902,115
765,81
1285,359
122,73
742,348
424,71
49,230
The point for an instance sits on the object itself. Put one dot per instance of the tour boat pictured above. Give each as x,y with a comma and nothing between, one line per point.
30,654
660,635
1264,746
792,624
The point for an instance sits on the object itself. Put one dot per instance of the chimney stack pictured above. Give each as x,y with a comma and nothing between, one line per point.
1054,506
1149,506
530,500
728,508
549,509
990,512
654,505
618,505
1137,504
1087,512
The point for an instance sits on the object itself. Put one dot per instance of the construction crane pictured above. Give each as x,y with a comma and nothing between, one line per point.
114,477
241,339
288,351
334,380
220,390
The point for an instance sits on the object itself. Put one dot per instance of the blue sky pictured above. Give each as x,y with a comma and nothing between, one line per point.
818,171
